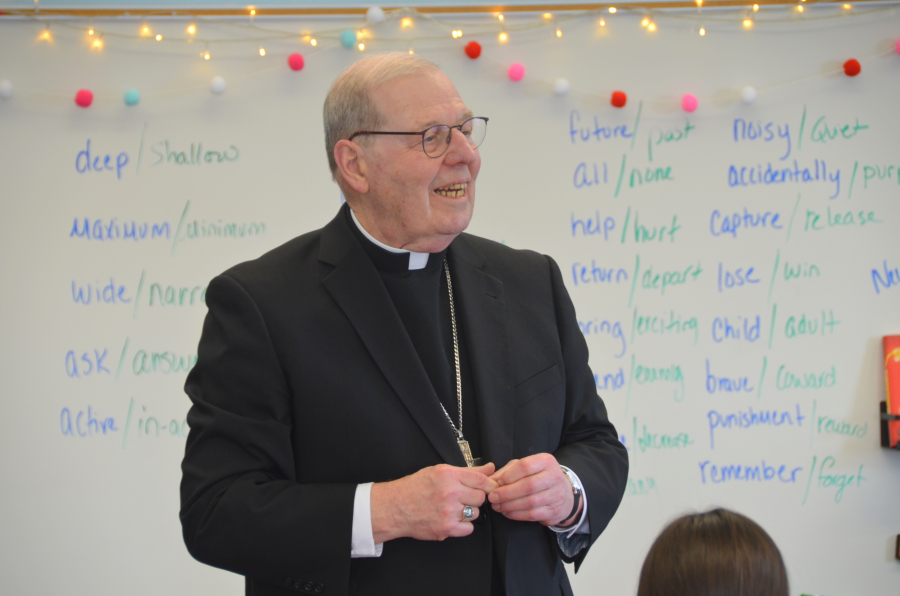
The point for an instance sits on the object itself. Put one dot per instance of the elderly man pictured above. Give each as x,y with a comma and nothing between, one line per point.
350,382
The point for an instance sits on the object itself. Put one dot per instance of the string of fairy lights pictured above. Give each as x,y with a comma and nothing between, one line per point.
384,25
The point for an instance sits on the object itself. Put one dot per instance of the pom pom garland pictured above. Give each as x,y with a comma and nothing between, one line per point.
84,98
561,86
295,61
618,99
473,50
217,85
348,38
689,102
132,97
852,67
516,71
748,95
6,89
375,14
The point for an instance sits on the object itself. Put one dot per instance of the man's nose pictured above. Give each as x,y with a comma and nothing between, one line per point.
460,149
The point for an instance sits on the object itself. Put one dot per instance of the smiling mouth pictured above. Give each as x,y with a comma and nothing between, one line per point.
453,190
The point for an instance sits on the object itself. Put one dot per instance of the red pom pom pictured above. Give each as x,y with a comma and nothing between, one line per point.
852,67
473,49
295,61
84,98
618,99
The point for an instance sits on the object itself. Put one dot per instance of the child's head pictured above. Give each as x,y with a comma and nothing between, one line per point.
717,553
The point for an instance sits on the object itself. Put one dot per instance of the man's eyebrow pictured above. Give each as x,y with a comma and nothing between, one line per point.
466,115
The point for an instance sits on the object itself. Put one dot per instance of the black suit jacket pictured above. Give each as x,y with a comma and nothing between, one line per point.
307,385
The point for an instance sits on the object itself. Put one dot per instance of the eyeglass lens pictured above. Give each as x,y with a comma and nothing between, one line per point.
436,139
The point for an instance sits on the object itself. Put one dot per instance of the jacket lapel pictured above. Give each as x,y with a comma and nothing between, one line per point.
484,329
358,290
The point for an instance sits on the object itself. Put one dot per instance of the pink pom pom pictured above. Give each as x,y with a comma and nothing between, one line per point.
516,72
688,102
295,61
84,98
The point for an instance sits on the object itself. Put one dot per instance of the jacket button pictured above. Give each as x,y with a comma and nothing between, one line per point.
309,586
320,588
298,585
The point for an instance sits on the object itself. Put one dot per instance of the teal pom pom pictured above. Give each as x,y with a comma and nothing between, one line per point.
132,97
348,38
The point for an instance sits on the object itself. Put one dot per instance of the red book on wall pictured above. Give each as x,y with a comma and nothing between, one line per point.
892,385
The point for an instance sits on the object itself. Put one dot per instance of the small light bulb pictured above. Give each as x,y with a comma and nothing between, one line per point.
756,8
612,10
548,16
748,23
262,51
558,33
145,31
503,37
91,31
411,52
98,43
362,46
702,31
192,29
602,23
645,22
500,17
158,37
651,27
406,22
699,3
799,8
312,42
252,11
45,35
306,38
847,7
206,55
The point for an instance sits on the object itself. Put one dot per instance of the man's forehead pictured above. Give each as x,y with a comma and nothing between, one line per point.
462,117
423,100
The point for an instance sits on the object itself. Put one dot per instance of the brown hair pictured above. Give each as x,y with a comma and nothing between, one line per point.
717,553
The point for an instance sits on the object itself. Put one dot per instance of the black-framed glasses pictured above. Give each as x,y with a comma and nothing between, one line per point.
436,140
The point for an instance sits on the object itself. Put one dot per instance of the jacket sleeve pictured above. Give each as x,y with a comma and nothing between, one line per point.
590,445
242,508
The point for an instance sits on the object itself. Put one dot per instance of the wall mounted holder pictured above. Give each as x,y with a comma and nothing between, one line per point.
885,440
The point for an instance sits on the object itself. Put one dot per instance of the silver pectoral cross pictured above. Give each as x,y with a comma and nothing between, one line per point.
467,453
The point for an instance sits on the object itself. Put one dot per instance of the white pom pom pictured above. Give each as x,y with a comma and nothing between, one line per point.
217,85
6,89
561,86
374,14
748,95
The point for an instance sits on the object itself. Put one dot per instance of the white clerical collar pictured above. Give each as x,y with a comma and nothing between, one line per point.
417,260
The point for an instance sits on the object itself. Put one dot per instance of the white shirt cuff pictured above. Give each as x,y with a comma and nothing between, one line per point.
584,524
362,541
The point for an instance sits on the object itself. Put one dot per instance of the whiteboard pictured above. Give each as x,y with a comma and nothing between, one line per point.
721,263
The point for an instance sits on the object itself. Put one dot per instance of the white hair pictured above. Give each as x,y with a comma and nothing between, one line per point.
348,105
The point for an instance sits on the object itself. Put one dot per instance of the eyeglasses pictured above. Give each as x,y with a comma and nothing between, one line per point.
436,140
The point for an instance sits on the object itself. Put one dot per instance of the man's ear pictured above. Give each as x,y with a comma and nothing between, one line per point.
351,163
